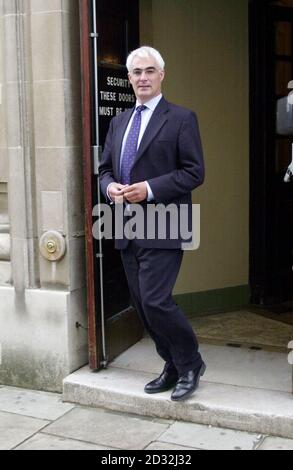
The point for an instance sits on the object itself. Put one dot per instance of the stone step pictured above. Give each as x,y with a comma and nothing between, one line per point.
236,407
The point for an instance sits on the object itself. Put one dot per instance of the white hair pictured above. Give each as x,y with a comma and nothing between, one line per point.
142,53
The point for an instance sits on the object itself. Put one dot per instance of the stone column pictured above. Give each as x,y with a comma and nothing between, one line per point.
20,143
5,265
58,136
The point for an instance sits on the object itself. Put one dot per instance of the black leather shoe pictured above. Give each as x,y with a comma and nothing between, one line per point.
163,383
188,383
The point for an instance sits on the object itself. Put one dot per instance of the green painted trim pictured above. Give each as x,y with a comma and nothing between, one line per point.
214,300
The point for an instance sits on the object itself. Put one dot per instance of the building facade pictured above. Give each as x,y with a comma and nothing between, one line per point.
43,281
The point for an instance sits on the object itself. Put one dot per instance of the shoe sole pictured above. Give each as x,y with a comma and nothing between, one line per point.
187,395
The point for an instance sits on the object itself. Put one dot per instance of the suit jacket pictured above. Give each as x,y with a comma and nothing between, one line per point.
169,157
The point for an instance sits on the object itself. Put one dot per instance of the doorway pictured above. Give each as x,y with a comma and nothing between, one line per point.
271,199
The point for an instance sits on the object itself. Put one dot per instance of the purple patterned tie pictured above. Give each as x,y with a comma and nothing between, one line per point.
130,149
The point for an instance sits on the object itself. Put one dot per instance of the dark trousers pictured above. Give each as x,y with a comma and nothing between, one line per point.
151,276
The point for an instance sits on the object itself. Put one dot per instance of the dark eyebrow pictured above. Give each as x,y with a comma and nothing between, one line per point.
148,68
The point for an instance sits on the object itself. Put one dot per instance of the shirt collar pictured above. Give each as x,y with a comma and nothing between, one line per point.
151,104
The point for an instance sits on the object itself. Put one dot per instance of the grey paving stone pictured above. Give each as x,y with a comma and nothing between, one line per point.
40,405
209,438
14,429
167,446
276,443
107,428
47,442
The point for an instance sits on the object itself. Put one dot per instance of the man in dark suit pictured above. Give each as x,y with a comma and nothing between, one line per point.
153,155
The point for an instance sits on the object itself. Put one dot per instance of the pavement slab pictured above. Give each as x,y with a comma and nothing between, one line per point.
47,442
41,405
168,446
209,438
14,429
108,429
276,443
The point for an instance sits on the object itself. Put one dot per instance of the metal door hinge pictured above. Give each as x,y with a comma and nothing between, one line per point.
97,154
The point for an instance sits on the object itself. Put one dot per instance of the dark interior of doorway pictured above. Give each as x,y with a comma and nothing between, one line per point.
271,200
267,323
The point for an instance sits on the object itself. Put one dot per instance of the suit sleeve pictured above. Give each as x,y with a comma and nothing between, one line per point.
190,172
106,166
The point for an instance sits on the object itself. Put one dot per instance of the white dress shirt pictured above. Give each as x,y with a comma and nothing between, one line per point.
145,119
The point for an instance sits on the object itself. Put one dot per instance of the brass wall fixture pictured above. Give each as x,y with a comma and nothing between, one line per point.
52,246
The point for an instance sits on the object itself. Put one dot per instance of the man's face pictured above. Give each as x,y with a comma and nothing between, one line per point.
146,79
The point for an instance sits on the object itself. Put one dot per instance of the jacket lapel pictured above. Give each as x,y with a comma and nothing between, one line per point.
158,119
119,138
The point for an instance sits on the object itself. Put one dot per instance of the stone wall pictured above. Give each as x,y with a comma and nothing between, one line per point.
41,112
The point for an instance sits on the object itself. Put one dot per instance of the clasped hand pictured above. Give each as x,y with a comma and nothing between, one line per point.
130,193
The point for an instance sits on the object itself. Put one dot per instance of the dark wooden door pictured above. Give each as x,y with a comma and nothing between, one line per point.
271,200
109,31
